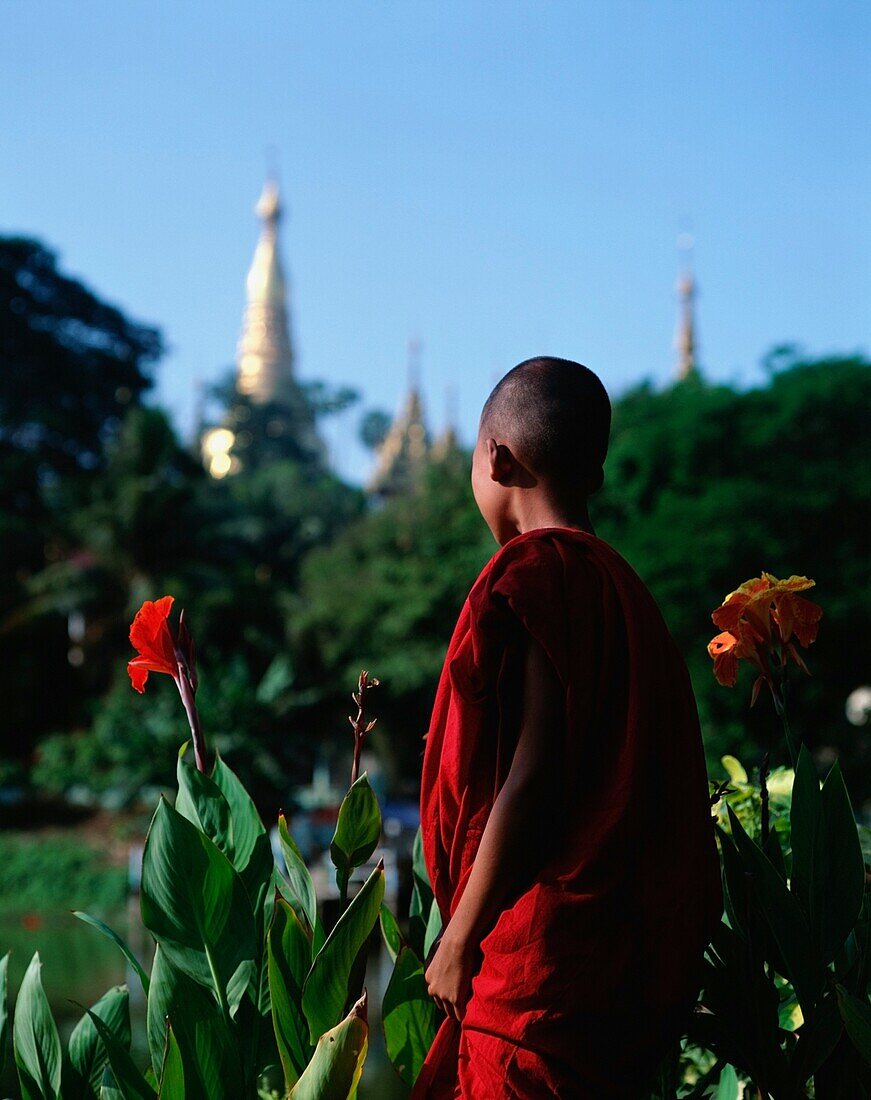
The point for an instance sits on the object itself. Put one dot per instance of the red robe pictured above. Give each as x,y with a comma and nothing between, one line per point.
587,975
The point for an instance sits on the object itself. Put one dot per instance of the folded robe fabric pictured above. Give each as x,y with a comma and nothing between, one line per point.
588,974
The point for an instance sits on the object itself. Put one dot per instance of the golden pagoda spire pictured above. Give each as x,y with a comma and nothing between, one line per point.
264,357
403,453
685,339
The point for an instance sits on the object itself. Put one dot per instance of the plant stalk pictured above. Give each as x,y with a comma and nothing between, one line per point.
186,692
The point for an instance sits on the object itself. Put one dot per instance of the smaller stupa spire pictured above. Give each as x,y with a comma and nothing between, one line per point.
447,445
404,451
685,339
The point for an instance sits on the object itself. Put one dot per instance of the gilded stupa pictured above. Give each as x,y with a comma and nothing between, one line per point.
264,357
271,417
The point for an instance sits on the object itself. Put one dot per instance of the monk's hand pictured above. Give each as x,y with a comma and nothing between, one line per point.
449,975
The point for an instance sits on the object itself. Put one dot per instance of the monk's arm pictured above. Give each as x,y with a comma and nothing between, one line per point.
523,819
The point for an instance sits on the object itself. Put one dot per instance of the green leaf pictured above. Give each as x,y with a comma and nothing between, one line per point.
727,1087
35,1039
839,870
828,870
110,934
129,1081
787,924
298,877
390,931
195,905
433,929
202,802
208,1048
817,1038
326,988
734,769
421,898
409,1016
358,830
87,1054
337,1064
803,821
252,852
4,995
172,1076
856,1015
108,1088
289,952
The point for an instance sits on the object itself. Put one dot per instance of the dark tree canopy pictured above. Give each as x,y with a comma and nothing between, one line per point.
71,364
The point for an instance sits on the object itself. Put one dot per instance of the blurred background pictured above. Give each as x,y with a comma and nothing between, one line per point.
260,266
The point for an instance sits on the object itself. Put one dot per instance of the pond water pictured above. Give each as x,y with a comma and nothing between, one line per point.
79,965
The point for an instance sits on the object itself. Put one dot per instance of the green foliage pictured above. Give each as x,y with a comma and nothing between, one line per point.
238,981
358,830
35,1039
83,1071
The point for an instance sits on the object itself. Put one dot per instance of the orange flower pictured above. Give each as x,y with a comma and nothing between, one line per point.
758,621
728,648
151,636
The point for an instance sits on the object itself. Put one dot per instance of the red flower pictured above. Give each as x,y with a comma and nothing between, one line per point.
150,634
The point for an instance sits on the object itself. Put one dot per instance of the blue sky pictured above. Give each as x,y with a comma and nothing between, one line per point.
501,179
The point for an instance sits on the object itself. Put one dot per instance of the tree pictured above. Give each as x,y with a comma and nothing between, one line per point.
71,366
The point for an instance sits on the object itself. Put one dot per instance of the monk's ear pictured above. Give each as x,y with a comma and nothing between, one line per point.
501,462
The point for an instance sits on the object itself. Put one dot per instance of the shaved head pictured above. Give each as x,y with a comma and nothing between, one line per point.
556,416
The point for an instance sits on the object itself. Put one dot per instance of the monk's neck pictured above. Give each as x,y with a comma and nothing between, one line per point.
533,514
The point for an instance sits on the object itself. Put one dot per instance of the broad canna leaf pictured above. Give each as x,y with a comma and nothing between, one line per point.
786,921
326,988
856,1015
289,951
358,830
300,881
202,802
337,1064
421,898
828,871
390,931
120,943
252,852
128,1080
172,1081
208,1047
4,1019
409,1015
817,1038
35,1039
838,870
194,904
433,929
83,1075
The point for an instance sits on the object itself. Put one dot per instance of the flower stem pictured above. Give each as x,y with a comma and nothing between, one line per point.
186,692
763,785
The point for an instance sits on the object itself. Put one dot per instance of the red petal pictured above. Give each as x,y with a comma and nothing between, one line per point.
138,675
150,634
807,617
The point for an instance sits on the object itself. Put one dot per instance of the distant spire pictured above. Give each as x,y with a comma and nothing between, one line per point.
402,455
447,445
264,356
685,340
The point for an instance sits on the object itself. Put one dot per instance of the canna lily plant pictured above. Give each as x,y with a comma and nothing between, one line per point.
785,1002
248,995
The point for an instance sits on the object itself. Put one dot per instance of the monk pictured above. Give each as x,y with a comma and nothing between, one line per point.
564,803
